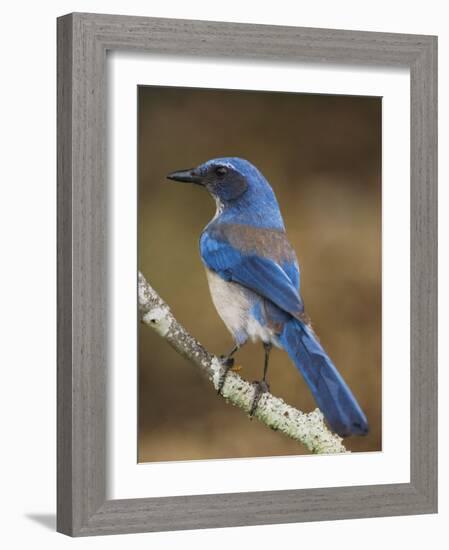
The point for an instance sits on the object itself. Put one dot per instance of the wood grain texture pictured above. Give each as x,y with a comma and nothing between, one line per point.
64,278
83,40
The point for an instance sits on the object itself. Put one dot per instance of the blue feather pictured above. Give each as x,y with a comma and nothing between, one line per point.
331,393
258,273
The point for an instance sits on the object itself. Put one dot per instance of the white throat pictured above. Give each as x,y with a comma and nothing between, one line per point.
219,209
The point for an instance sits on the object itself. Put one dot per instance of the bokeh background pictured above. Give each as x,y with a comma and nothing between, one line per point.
322,156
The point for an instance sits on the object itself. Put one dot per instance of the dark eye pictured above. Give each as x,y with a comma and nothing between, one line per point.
221,171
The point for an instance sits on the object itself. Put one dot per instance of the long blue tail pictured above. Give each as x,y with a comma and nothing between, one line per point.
331,393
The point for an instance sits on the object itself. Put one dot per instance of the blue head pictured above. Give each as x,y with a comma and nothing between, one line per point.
241,192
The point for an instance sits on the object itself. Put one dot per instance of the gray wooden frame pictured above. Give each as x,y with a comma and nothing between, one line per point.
83,40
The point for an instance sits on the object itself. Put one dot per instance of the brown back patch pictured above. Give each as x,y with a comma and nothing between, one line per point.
271,243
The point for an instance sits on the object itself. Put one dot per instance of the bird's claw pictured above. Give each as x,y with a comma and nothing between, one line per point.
226,361
260,387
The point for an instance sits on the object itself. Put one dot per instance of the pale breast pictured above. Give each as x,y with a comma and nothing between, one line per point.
233,303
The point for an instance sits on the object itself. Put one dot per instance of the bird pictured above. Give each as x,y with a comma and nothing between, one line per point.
254,282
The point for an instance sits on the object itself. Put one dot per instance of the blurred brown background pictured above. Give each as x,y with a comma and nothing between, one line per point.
322,156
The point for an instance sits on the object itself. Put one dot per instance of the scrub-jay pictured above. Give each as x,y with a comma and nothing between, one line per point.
254,282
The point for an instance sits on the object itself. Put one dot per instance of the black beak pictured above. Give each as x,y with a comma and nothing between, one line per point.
186,175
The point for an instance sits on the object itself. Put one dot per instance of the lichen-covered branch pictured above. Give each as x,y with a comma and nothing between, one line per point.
306,428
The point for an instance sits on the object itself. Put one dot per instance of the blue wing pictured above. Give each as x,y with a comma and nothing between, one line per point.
259,273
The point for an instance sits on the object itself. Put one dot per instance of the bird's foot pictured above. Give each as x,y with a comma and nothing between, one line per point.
227,363
260,387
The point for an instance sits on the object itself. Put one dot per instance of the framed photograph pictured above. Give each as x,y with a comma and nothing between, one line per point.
247,283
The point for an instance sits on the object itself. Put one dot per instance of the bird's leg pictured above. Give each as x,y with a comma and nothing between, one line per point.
262,386
227,363
267,347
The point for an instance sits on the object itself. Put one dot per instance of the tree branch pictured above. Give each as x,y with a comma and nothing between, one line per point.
306,428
